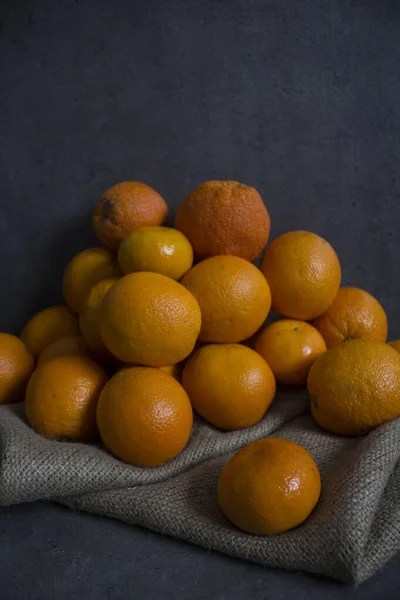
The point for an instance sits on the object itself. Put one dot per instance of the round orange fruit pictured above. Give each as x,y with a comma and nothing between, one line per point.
395,344
269,487
230,385
174,370
156,249
144,416
70,346
353,314
304,274
224,217
16,366
290,347
355,387
47,326
90,315
124,207
149,319
85,269
233,295
62,396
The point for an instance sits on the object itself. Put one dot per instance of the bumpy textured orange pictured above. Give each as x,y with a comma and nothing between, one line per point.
233,295
230,385
149,319
290,347
144,416
354,314
61,398
156,249
269,487
304,274
90,315
124,207
48,326
85,269
16,366
355,387
224,217
71,346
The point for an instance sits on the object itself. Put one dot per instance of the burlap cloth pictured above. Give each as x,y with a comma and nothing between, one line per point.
353,531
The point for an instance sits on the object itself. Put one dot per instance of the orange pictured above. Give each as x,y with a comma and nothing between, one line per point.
304,274
355,387
48,326
149,319
124,207
62,396
290,347
174,370
89,317
156,249
354,314
16,366
144,416
229,385
395,344
85,269
269,487
224,217
233,295
73,345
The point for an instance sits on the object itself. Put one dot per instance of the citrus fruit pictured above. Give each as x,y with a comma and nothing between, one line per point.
71,346
16,366
47,326
290,347
89,317
174,370
354,314
85,269
144,416
156,249
269,487
124,207
303,272
230,385
395,344
224,217
355,387
233,295
61,398
149,319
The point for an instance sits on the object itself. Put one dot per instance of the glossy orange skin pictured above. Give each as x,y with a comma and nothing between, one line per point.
16,366
47,326
224,217
355,387
69,346
230,385
149,319
304,274
233,295
290,347
124,207
90,316
62,396
144,416
85,270
156,249
269,487
354,314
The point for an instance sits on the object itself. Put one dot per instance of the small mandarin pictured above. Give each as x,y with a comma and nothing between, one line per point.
269,487
47,326
290,347
16,366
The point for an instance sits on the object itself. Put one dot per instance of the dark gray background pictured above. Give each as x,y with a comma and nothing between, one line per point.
299,98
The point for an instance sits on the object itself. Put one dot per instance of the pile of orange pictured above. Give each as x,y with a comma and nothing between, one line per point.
161,322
